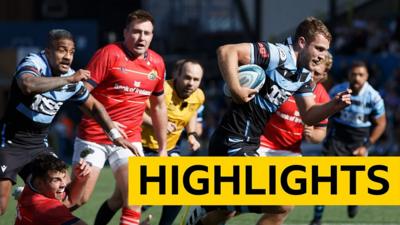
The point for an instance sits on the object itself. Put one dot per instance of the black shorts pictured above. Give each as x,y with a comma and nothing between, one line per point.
224,144
335,147
16,160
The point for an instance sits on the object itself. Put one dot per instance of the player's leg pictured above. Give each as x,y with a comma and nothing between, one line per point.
95,155
5,190
352,211
169,214
318,212
118,160
12,161
109,208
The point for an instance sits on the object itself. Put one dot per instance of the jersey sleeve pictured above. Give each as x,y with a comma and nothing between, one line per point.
200,111
334,90
378,105
304,90
54,214
31,65
81,94
99,66
159,89
267,55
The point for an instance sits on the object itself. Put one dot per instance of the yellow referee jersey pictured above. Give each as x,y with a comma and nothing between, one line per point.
179,111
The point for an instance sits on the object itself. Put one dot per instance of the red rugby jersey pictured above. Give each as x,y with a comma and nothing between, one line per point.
122,84
284,130
36,209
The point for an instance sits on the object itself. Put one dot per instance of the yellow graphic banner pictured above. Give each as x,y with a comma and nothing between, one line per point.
264,180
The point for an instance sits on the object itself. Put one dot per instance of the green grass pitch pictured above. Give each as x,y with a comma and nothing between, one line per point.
371,215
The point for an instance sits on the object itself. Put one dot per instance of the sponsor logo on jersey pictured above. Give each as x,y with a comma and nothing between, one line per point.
45,105
136,90
262,50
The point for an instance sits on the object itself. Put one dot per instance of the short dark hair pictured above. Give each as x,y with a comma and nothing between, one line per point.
58,34
358,63
310,27
177,70
140,15
44,163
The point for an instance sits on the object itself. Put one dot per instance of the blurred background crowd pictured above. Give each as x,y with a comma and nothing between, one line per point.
362,29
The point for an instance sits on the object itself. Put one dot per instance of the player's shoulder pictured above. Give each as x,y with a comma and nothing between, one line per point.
34,59
111,49
370,89
321,95
199,96
319,88
154,57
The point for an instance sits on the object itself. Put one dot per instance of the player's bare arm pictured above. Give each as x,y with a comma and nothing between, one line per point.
30,84
158,112
81,172
96,110
228,58
191,129
312,113
379,128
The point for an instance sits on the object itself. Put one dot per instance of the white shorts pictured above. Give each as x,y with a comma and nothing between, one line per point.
264,151
99,153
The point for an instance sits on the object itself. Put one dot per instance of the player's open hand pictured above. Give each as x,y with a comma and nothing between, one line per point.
126,144
81,170
171,127
80,75
243,94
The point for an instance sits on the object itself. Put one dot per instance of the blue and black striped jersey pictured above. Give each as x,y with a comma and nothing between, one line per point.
353,123
283,79
33,114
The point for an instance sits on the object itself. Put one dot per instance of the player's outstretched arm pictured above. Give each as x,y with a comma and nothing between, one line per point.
191,129
30,84
229,58
81,172
312,113
96,110
379,128
158,112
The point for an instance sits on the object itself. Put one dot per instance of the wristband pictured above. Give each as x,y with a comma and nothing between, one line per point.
194,134
114,134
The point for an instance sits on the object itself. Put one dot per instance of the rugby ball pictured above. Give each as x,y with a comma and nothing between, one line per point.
251,76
